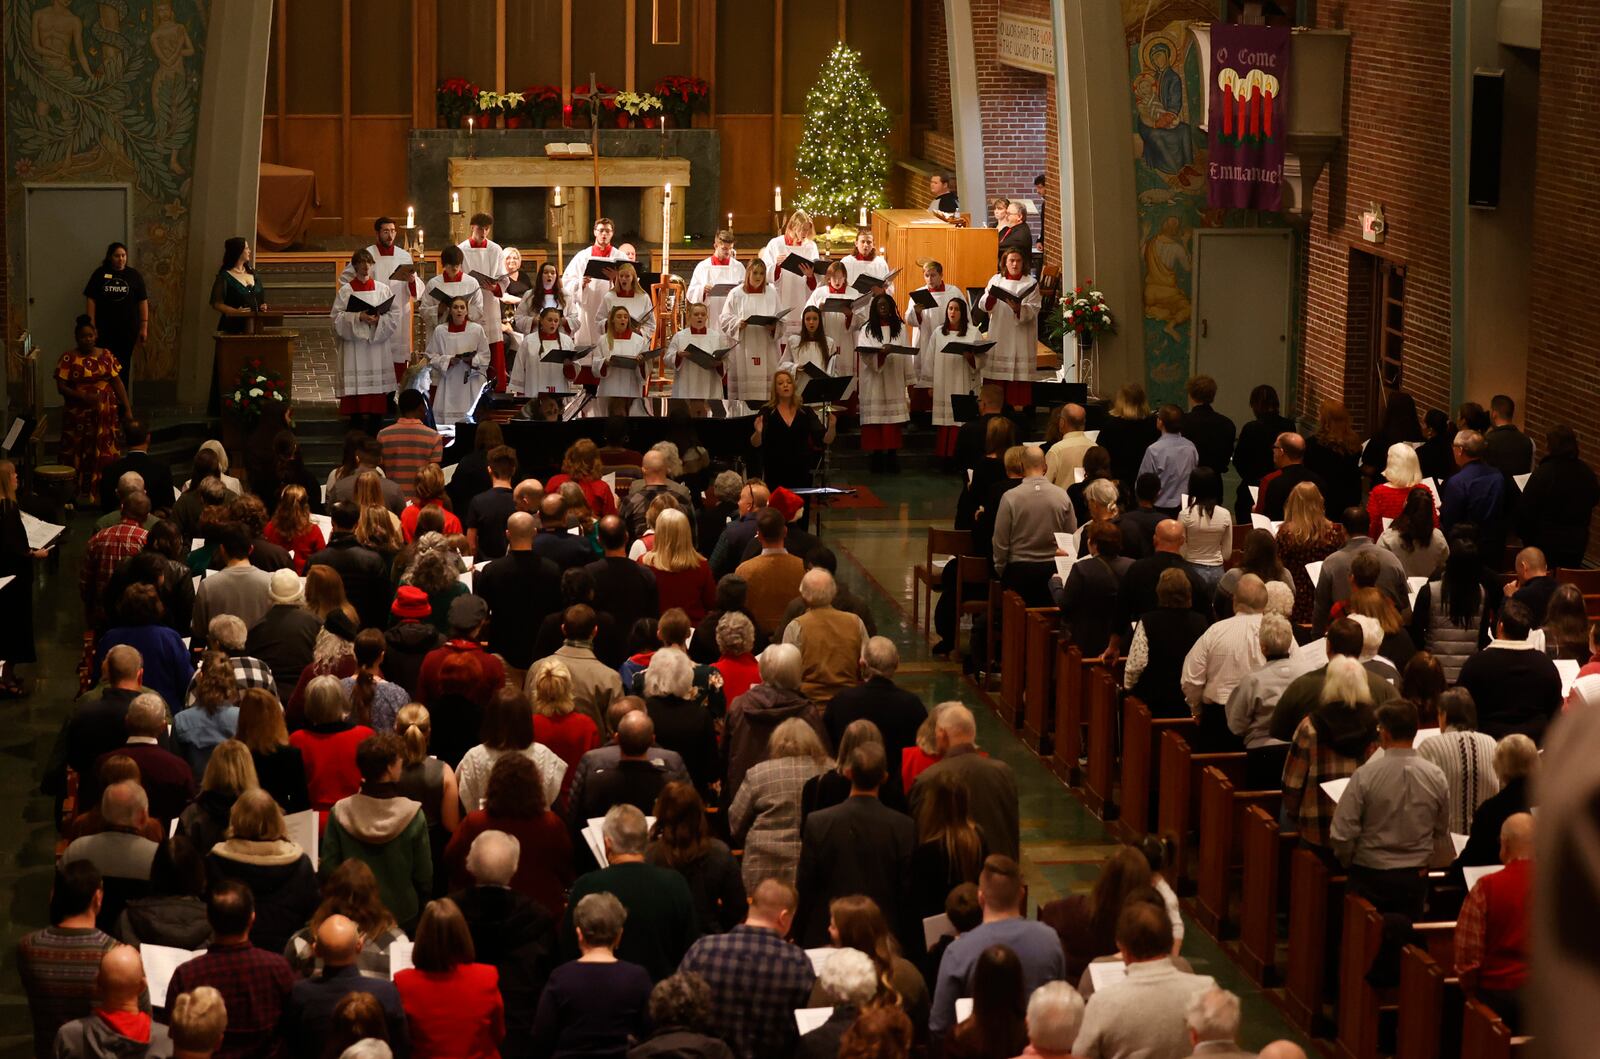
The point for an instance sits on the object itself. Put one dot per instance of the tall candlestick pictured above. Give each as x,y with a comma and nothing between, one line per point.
455,202
411,216
863,216
777,199
419,243
666,230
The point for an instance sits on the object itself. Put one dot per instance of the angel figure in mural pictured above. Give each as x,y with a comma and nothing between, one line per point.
1166,267
1158,94
170,43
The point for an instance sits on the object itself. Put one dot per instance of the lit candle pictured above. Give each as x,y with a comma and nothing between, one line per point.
411,217
666,229
455,202
777,199
470,123
863,216
557,201
730,222
419,242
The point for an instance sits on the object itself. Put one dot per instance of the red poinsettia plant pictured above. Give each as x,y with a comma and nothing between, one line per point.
455,98
540,103
258,388
580,106
683,97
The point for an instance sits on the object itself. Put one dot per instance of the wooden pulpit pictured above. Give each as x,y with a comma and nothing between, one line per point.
911,236
266,340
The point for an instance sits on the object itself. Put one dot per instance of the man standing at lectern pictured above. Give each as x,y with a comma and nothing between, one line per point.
944,195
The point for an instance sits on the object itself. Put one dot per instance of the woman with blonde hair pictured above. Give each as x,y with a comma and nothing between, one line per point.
1402,476
765,816
1374,605
280,769
683,575
557,723
1306,536
646,541
214,716
368,494
351,891
791,291
1333,454
1127,432
915,759
291,527
626,293
1330,743
427,780
581,464
259,853
229,773
789,434
429,492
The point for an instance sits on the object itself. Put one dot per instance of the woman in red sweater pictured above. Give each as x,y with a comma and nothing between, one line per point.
736,660
430,493
328,745
556,722
515,804
1388,497
581,464
683,576
291,527
452,1004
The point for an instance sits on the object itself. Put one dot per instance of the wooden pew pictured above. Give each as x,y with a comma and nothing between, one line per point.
1067,743
1222,808
1430,1007
1178,799
1485,1036
1013,648
1267,849
1362,1008
1141,750
1043,629
1100,695
1316,904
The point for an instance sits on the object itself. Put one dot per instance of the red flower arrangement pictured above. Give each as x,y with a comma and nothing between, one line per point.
257,388
456,97
540,104
580,107
683,97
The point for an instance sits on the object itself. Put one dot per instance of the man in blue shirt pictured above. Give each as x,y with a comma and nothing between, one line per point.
1475,494
1036,944
1171,457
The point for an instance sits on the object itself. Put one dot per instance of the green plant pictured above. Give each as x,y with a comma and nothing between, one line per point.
1082,312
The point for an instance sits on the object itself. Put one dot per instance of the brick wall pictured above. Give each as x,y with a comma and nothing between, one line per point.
1012,103
930,69
1396,152
1564,334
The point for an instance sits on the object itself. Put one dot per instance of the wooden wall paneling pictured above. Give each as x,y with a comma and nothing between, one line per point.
281,63
344,116
381,35
705,47
424,63
654,61
742,83
466,41
311,141
878,29
378,178
839,19
789,128
269,136
808,35
566,52
778,167
314,43
500,45
630,46
598,44
747,176
533,51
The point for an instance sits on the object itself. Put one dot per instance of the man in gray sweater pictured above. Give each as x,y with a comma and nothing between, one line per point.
1025,529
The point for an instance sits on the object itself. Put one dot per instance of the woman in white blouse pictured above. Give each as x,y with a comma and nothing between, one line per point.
1207,525
507,728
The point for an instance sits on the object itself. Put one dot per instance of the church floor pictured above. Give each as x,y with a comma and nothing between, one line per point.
1062,843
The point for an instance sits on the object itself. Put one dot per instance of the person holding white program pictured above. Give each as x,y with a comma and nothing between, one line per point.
751,364
459,350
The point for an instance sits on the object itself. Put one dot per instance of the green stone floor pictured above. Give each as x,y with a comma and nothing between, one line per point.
1063,844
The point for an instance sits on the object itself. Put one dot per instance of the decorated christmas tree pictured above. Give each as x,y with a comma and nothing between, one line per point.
843,155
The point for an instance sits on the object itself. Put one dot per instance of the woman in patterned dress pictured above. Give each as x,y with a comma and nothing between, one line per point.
89,380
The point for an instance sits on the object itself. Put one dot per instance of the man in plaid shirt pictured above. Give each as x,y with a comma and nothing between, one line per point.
227,632
254,983
757,978
107,549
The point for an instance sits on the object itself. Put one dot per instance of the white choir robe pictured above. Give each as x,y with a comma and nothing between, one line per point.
585,301
532,375
365,366
876,266
752,365
792,289
458,379
434,313
490,258
535,303
691,380
640,308
406,294
926,322
615,379
795,354
708,274
950,372
882,389
1014,357
840,327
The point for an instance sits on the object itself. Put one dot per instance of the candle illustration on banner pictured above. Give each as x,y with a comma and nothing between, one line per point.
411,217
455,202
1226,81
1269,85
1255,104
777,200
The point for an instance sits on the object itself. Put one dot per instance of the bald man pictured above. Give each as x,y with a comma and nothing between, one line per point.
1066,455
1493,929
1138,593
522,589
622,588
991,787
1288,456
553,541
637,778
309,1013
655,482
116,1026
1282,1050
528,494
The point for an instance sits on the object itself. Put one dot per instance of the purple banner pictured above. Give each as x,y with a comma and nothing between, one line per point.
1247,115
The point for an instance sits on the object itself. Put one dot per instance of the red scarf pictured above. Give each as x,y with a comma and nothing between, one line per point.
134,1025
363,284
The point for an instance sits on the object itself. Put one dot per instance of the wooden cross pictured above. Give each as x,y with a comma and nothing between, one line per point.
594,97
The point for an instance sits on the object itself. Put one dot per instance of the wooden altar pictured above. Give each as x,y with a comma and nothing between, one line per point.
475,180
909,236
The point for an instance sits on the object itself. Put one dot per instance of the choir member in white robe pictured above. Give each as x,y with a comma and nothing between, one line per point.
811,344
952,374
881,385
483,255
1013,362
584,293
798,237
693,382
531,375
452,282
459,351
366,375
866,261
721,267
387,258
547,292
620,384
925,321
841,327
751,364
627,293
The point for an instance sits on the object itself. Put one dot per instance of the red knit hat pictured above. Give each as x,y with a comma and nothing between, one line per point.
411,604
788,504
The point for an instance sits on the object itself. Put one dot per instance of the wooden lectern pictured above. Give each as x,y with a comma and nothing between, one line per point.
911,236
266,340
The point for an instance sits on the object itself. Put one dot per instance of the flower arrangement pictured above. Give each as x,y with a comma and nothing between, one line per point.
455,98
507,104
1083,312
682,98
540,104
257,388
639,107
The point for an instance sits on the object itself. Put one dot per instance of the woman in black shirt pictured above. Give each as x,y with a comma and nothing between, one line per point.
789,435
1252,453
119,307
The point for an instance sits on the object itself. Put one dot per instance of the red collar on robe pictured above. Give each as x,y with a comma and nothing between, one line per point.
601,251
554,336
1007,275
936,290
454,330
364,284
756,290
385,253
697,330
627,332
871,257
790,242
451,279
836,290
715,260
478,244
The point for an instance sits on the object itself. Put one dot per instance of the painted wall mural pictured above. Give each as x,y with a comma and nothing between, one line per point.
108,91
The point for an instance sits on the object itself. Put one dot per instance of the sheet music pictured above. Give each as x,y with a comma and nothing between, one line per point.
159,963
302,829
1106,973
400,956
41,534
1472,874
936,927
808,1019
1334,789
